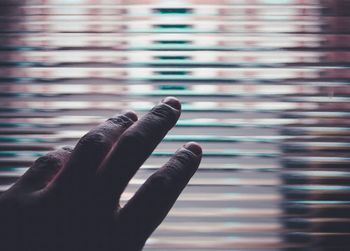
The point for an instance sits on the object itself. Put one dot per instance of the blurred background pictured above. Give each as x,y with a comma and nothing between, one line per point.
265,90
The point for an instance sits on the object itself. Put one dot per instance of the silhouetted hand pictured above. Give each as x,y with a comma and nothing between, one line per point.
69,199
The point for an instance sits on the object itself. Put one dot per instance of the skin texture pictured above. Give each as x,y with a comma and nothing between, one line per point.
69,198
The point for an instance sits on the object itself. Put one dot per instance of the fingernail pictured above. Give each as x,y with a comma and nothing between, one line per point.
194,148
173,102
131,115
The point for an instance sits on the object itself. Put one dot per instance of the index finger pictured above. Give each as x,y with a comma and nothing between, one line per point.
135,146
91,150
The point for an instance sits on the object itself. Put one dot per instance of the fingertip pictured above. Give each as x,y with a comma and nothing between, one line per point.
173,102
131,115
194,147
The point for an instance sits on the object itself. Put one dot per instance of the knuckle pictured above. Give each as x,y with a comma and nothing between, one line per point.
94,140
48,163
49,160
121,120
68,149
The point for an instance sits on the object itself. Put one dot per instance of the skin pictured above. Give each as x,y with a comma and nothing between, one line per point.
69,198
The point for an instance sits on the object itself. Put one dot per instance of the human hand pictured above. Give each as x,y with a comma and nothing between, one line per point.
69,199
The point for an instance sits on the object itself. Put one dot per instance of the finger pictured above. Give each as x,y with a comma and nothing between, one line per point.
44,169
135,146
90,151
154,199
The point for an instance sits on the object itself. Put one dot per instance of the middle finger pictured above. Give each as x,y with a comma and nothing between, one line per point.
135,146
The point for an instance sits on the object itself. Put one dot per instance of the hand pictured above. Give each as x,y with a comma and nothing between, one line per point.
69,199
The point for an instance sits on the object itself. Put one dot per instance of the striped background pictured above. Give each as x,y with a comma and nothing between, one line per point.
264,86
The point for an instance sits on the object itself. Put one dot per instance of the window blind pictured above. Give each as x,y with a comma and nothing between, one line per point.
265,90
